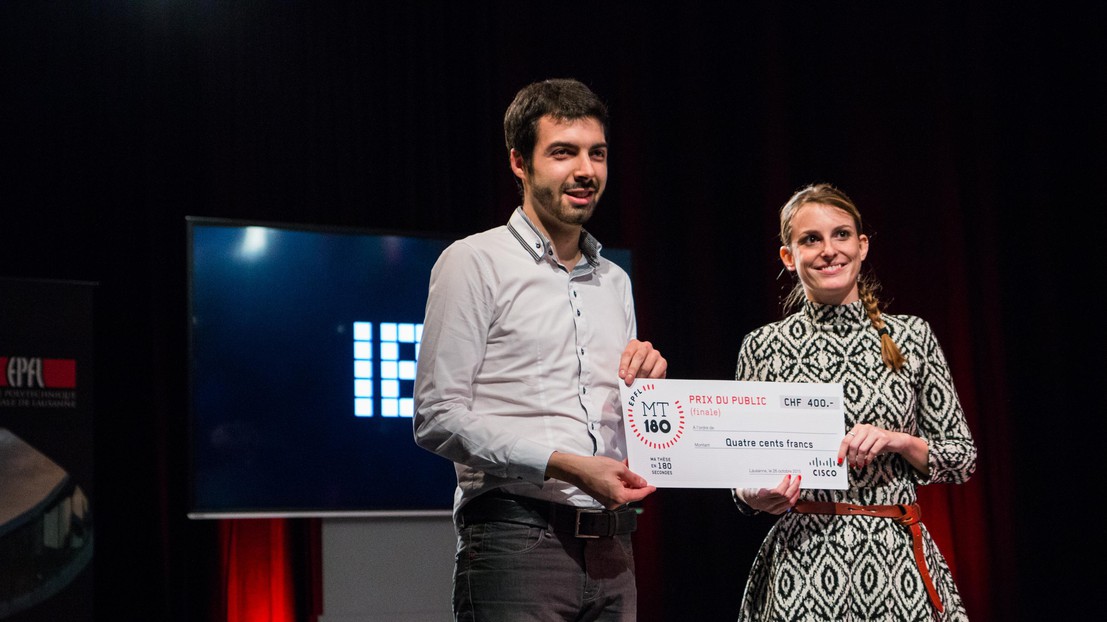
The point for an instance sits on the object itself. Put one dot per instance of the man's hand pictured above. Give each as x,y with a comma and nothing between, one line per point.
608,481
641,360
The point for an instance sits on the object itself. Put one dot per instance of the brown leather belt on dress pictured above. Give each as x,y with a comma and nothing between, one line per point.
906,515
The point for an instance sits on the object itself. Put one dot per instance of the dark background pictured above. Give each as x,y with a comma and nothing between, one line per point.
971,137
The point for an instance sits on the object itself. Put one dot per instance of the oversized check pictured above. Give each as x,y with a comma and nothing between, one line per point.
732,434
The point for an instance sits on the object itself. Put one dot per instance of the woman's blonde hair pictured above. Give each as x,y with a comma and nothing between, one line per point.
867,284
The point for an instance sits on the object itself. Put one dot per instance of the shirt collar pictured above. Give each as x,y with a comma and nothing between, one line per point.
539,246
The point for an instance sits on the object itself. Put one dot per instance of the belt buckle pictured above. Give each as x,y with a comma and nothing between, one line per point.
576,529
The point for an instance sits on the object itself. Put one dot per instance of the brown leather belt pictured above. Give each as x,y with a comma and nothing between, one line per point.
906,515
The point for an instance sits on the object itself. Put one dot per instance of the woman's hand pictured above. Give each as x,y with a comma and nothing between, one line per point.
864,442
773,500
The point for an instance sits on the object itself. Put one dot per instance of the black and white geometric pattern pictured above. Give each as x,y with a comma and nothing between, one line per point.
816,567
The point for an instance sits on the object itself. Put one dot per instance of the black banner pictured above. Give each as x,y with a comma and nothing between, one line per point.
46,450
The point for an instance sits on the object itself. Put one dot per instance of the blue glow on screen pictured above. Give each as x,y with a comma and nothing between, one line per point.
303,344
302,352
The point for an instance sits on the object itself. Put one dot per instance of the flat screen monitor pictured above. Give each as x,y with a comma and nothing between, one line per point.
302,347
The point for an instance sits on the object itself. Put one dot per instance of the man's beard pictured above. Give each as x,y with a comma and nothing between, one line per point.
550,203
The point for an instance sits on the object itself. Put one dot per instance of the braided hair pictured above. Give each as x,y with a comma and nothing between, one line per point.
867,284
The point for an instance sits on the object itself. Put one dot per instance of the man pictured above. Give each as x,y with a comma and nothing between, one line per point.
527,333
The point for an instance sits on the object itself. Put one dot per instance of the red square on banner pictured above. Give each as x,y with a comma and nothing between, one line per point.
59,373
3,371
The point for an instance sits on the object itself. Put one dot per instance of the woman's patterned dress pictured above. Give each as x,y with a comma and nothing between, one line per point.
818,567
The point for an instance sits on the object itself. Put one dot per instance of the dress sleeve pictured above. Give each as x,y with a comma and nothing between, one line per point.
745,371
747,365
459,313
941,421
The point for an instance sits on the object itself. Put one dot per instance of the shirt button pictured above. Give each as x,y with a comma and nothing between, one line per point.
582,350
578,312
584,390
550,252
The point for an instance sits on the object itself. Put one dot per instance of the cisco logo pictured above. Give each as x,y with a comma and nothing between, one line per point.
824,468
384,368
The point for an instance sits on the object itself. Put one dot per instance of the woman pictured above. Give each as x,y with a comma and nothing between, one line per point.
856,554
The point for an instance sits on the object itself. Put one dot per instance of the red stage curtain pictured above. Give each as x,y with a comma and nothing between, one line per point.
271,569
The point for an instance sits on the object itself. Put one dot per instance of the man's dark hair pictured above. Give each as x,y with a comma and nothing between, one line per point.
562,99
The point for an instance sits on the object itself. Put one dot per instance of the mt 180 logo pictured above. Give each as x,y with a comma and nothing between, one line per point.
657,424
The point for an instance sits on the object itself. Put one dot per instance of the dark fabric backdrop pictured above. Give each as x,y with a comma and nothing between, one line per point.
970,136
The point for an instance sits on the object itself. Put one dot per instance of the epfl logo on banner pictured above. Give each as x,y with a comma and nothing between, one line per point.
37,373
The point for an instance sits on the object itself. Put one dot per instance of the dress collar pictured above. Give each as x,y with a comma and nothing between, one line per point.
852,313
